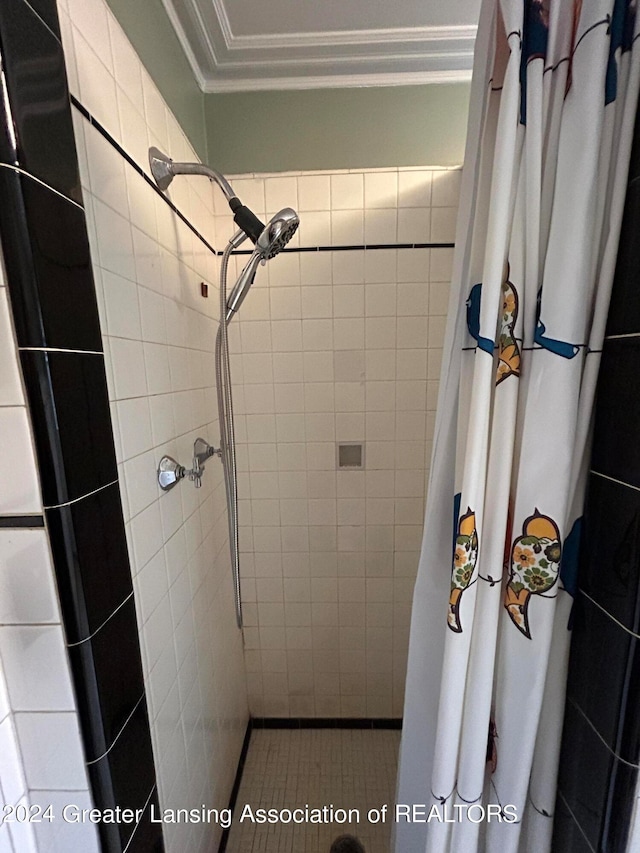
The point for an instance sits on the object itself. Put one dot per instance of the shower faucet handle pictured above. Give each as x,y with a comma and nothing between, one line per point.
202,451
171,472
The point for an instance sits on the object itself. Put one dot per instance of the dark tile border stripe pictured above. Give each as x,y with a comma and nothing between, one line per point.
357,247
93,121
293,723
394,723
21,521
224,838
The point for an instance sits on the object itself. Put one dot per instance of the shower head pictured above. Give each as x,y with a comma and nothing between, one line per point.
277,233
269,239
274,237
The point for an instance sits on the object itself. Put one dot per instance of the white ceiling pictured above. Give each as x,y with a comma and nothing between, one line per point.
252,45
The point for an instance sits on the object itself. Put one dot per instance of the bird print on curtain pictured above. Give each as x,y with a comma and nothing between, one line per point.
535,562
554,98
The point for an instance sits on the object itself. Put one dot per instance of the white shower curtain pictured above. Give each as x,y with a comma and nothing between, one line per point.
554,97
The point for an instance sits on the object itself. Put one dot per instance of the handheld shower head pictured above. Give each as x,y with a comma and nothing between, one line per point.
274,237
269,239
277,233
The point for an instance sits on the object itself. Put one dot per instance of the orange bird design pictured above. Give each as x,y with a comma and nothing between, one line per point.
508,349
535,563
465,556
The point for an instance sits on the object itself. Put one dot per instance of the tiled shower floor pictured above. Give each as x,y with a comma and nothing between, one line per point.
289,768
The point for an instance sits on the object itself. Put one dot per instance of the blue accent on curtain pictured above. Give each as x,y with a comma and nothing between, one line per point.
621,34
473,320
535,37
562,348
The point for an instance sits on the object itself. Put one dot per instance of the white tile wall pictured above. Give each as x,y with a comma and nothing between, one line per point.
159,335
40,744
328,347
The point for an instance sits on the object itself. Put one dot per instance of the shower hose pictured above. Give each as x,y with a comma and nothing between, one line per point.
227,434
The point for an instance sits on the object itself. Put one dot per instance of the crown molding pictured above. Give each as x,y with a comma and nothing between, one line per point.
185,44
334,81
223,62
349,38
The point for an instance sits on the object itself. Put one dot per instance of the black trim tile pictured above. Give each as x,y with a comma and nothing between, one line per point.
147,837
109,665
224,838
634,162
598,788
610,553
48,264
567,837
71,422
326,723
37,84
48,11
49,276
616,449
88,538
126,774
620,808
21,521
624,308
604,654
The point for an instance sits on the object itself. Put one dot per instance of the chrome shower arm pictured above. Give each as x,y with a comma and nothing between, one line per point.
208,172
164,169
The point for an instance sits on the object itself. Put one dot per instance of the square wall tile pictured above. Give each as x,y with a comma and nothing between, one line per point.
50,745
36,668
10,383
19,487
27,592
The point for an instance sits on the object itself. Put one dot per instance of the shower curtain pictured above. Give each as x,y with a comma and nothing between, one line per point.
554,96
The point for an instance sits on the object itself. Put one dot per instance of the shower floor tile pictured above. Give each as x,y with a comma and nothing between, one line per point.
290,768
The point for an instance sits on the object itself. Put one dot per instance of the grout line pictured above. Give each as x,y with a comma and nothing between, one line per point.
82,497
138,824
42,183
44,23
599,736
60,790
575,820
100,627
613,618
61,349
124,726
621,337
614,480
